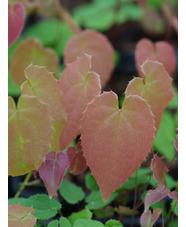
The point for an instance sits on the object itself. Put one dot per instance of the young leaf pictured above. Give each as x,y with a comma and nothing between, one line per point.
45,208
53,170
16,19
113,162
79,86
155,195
84,214
142,2
30,133
71,192
96,45
20,216
87,223
148,219
173,195
159,169
157,88
53,224
42,84
76,159
28,52
160,51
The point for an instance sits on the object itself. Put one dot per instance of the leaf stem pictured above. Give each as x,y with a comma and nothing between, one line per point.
23,185
64,14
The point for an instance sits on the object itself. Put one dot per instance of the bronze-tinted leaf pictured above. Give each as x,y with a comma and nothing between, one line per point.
116,141
97,46
29,134
28,52
42,84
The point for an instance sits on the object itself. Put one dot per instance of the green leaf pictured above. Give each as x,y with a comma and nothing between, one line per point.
174,103
63,222
12,47
90,182
84,214
71,192
95,200
113,223
37,225
53,224
13,89
45,208
104,212
174,223
87,223
156,4
175,207
164,142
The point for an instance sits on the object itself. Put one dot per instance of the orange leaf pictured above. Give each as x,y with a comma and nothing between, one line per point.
20,216
79,86
44,86
160,51
29,134
96,45
28,52
157,88
116,141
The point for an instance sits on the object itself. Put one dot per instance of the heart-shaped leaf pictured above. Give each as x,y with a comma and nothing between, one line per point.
96,45
16,19
44,86
155,195
157,88
160,51
20,216
79,86
116,141
159,169
53,170
148,219
28,52
30,133
76,159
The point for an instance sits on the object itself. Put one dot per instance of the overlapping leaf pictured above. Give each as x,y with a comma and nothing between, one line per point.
160,51
53,170
157,88
30,133
42,84
148,219
20,216
76,159
16,19
29,52
159,169
96,45
116,141
79,86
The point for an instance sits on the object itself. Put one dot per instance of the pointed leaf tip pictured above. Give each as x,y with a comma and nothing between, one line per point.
112,162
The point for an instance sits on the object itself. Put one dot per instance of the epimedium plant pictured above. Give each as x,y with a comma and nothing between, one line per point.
66,124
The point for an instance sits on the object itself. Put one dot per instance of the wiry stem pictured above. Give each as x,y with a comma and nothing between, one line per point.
64,14
27,178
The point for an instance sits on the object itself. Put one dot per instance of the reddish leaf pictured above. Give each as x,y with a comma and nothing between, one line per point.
148,219
96,45
157,88
173,195
20,216
176,143
53,170
159,169
28,52
160,51
142,2
79,86
155,195
116,141
29,134
44,86
16,19
76,159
